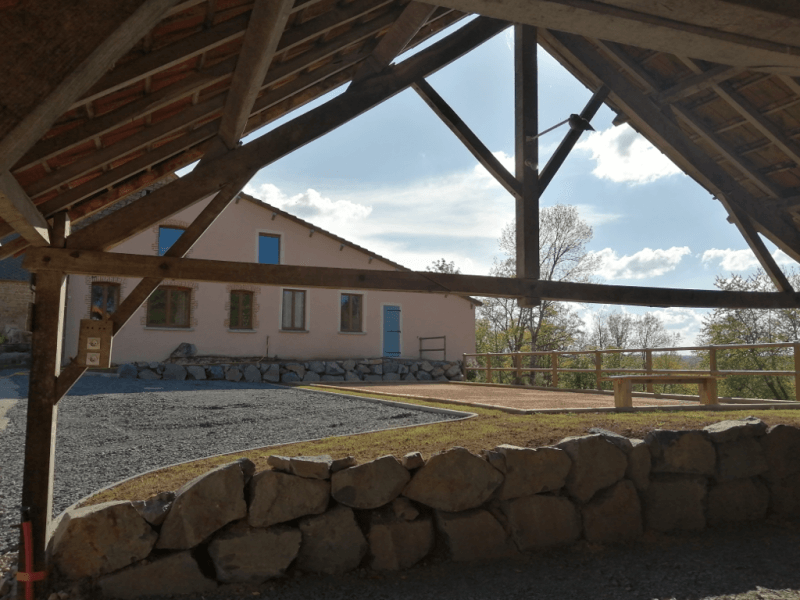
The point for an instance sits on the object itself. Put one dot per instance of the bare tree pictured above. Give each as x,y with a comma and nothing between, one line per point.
442,266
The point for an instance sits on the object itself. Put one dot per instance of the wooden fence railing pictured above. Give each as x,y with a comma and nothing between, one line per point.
600,372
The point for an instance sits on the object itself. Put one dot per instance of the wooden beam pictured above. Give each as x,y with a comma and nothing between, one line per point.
569,141
164,58
462,131
30,127
752,115
136,141
92,128
660,26
248,159
40,429
729,154
749,233
526,153
402,31
20,213
267,22
671,140
697,83
136,265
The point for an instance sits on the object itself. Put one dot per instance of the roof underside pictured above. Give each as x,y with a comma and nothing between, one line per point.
726,109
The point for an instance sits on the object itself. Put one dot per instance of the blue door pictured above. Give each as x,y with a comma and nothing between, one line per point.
391,331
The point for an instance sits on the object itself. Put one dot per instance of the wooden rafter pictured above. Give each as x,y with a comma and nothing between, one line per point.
697,83
124,33
248,159
20,213
139,265
267,23
671,140
462,131
402,31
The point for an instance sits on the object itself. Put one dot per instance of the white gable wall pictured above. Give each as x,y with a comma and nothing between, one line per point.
234,237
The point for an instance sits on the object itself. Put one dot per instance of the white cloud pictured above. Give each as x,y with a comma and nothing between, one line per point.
624,156
590,214
645,263
741,260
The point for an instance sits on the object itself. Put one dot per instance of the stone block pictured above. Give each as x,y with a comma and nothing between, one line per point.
127,371
351,376
332,378
474,535
530,471
290,377
316,366
370,485
413,460
738,500
272,374
173,574
685,452
404,509
233,374
371,377
332,542
174,372
276,497
184,350
396,543
390,366
349,365
740,459
409,377
198,372
340,464
295,368
453,371
206,504
453,481
377,369
785,496
437,373
391,377
243,554
638,470
675,502
423,376
426,366
311,376
402,369
363,369
729,431
312,467
613,515
333,368
781,447
148,375
216,372
252,374
99,539
542,521
597,463
154,510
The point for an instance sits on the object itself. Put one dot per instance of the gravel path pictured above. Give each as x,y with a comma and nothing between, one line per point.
110,429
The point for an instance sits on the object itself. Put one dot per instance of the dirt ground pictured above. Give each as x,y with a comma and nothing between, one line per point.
518,398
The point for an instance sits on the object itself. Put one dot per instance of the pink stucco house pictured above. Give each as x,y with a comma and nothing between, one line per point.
269,321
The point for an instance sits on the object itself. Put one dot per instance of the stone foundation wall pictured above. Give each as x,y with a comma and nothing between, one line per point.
318,515
367,369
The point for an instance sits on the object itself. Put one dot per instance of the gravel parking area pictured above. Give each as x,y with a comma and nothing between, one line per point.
110,429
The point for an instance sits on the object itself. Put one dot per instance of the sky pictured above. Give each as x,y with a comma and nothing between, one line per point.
397,181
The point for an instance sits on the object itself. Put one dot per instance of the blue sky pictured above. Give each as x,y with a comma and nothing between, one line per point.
398,182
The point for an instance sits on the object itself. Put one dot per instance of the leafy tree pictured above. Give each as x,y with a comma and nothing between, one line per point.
442,266
752,326
504,326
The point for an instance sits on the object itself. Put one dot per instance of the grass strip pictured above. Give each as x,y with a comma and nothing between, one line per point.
489,429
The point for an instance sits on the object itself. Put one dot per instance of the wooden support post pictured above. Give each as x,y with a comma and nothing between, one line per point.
622,393
713,395
518,366
464,366
648,365
554,366
598,369
526,103
796,348
488,367
40,432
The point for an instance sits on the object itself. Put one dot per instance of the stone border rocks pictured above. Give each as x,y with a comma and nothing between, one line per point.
325,516
288,372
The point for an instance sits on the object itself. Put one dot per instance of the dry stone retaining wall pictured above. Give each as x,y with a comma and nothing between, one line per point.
367,369
319,515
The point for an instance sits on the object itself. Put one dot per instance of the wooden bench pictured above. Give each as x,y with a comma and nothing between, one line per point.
623,386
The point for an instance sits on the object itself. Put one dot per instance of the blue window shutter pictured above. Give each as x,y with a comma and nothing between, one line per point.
269,249
391,331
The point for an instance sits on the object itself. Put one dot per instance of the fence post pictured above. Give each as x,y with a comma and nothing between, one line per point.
796,347
712,367
488,368
554,365
518,366
648,365
598,368
464,366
